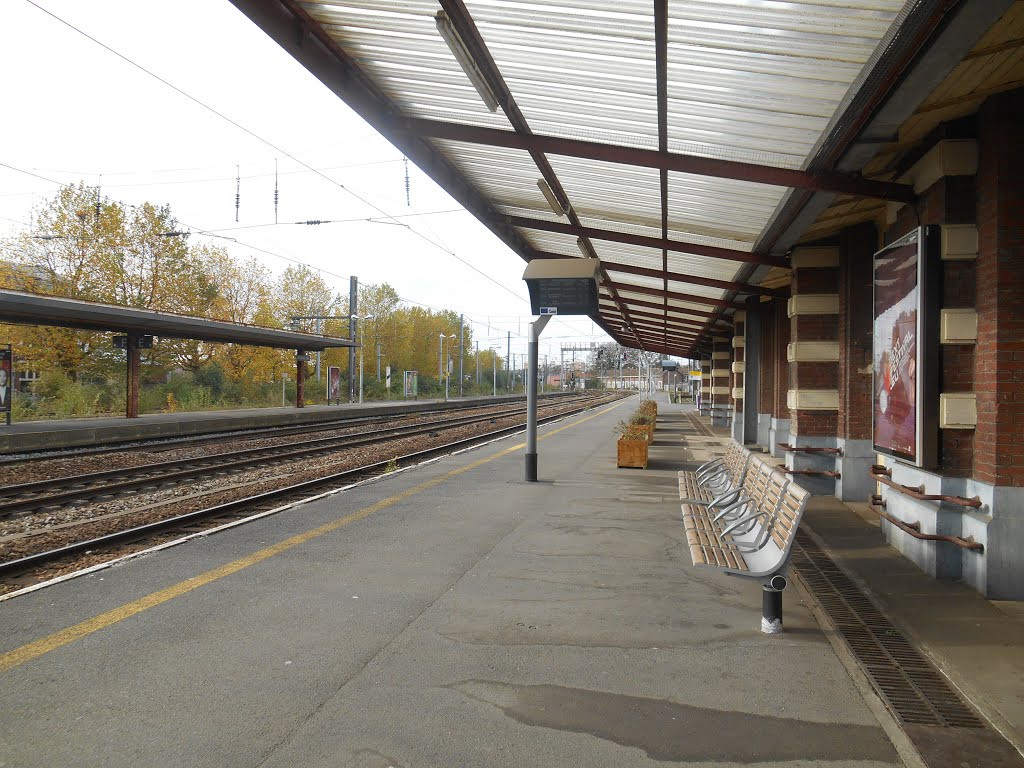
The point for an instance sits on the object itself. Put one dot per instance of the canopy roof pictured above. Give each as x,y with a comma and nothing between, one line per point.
688,145
32,309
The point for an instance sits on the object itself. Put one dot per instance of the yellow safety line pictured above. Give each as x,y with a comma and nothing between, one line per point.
33,650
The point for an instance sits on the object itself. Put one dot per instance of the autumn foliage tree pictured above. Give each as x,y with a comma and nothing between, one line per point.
84,247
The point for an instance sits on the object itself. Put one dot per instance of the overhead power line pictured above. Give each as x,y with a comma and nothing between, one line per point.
273,146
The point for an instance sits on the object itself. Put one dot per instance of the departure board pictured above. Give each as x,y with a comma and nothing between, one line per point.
563,296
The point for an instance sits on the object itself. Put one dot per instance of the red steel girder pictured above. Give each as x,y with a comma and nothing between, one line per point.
675,295
839,183
646,241
708,314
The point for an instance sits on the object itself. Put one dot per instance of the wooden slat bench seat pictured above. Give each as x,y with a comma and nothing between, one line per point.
715,480
753,537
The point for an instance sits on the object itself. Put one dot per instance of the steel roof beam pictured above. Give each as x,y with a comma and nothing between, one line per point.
643,289
822,181
678,323
676,277
462,20
646,241
712,316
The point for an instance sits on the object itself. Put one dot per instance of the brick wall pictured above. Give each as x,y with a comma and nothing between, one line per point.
856,246
999,356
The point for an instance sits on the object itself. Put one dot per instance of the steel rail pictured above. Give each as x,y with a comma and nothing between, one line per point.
147,475
344,478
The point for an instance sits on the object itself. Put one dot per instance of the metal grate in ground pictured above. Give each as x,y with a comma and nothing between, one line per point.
915,692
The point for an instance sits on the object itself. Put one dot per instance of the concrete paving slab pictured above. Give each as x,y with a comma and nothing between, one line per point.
469,618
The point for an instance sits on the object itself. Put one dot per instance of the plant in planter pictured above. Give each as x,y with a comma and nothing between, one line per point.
631,447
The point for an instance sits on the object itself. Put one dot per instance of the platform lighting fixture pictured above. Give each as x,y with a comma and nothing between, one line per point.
585,248
465,59
550,197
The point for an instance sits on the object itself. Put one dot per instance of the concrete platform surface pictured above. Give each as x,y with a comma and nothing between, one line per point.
451,615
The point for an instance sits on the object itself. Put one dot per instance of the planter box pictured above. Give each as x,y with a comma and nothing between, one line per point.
631,453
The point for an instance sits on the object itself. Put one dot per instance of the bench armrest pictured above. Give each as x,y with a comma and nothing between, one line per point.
741,501
734,524
708,465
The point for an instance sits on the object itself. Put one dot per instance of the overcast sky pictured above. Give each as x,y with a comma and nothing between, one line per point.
75,111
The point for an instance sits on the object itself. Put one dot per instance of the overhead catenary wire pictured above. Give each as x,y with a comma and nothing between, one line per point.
273,146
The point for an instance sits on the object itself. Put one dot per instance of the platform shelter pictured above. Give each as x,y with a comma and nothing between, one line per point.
139,328
736,168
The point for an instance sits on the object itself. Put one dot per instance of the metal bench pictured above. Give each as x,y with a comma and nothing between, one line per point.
715,482
753,537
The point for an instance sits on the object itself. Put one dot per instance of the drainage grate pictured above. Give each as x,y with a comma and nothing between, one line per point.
911,687
697,424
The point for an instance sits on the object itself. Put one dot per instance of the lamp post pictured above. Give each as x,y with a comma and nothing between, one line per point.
360,329
440,363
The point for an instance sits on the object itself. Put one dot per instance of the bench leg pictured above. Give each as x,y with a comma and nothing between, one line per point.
771,605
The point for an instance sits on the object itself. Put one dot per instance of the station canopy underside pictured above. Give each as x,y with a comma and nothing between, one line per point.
32,309
687,145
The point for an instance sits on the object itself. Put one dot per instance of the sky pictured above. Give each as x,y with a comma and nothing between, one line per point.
223,101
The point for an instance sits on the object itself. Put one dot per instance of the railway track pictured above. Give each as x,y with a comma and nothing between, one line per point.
346,421
77,488
34,567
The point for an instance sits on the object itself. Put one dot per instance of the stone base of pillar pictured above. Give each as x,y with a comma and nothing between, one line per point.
778,432
813,462
737,427
853,466
998,572
720,416
764,426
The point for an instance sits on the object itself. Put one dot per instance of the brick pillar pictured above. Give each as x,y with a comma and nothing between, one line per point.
705,386
856,247
945,178
999,442
813,356
737,376
766,374
721,392
778,432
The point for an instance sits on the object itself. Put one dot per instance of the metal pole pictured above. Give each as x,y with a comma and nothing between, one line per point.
300,378
378,361
353,309
494,373
440,359
462,344
536,328
318,351
361,338
508,358
476,365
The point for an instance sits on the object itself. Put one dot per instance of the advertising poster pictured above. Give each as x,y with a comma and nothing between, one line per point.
6,381
897,308
333,384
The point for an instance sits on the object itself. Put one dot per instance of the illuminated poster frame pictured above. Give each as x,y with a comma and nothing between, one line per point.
905,348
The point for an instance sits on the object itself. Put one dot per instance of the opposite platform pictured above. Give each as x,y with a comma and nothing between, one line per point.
68,433
450,615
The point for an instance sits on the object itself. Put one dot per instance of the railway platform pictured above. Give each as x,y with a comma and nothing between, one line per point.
455,615
71,433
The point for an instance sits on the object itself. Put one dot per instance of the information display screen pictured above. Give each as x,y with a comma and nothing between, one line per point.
563,296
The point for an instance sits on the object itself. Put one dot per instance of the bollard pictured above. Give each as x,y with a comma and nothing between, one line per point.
771,605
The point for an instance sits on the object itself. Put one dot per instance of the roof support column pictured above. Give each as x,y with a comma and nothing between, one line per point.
721,358
778,431
813,355
132,376
300,378
856,246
